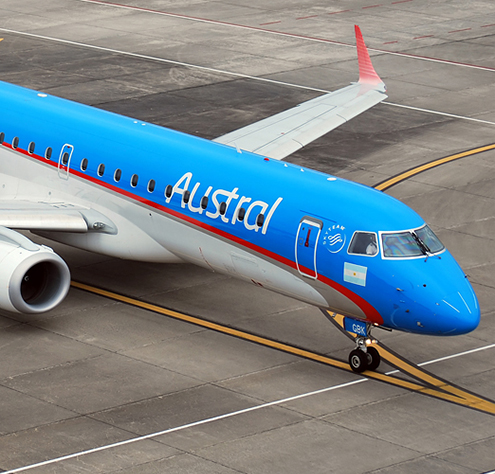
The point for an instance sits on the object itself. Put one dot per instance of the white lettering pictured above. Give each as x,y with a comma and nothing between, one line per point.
270,214
230,195
239,204
184,183
177,189
193,192
263,207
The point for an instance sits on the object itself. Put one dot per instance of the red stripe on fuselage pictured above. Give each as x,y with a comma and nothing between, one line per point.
372,314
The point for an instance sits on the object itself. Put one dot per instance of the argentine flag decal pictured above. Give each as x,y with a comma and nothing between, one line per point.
355,274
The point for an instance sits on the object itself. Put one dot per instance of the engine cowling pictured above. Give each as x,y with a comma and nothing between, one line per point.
33,278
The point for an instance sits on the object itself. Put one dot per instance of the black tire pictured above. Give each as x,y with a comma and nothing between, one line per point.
358,361
373,357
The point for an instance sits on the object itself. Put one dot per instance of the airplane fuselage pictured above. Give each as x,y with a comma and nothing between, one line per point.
165,196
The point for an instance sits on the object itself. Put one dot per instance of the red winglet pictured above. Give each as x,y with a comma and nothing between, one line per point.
367,73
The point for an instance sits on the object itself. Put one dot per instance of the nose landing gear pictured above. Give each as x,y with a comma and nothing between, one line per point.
364,357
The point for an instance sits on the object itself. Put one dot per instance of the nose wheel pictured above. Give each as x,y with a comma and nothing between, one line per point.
364,357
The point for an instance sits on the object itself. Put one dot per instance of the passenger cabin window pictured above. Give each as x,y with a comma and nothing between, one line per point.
15,142
84,164
364,243
151,185
48,152
260,219
31,148
223,208
117,175
134,180
2,137
101,169
168,190
414,243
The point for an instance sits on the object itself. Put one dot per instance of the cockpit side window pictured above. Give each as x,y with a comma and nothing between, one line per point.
429,238
364,243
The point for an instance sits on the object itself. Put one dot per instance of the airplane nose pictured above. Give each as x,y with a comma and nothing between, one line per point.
462,311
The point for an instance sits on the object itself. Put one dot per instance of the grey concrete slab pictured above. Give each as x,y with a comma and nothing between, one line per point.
288,380
428,464
179,464
106,381
135,457
115,327
476,456
21,412
319,445
235,427
39,349
425,435
223,357
57,439
170,411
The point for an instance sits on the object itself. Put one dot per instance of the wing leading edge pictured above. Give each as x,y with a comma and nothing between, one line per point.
282,134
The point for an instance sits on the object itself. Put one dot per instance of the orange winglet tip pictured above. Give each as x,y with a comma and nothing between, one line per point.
367,73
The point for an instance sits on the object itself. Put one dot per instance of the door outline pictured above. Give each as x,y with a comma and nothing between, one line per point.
64,161
307,245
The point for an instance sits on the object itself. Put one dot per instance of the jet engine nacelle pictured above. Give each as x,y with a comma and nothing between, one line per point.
33,278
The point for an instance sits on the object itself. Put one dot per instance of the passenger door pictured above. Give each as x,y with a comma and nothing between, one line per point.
64,161
307,238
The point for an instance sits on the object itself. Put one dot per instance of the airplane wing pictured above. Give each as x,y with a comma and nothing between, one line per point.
282,134
59,217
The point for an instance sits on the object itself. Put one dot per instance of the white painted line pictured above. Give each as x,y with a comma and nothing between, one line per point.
453,356
161,60
445,114
183,427
281,33
227,73
228,415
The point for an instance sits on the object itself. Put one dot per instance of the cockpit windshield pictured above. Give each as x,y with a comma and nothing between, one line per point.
413,243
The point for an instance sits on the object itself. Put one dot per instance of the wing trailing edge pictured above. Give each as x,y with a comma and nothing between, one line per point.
282,134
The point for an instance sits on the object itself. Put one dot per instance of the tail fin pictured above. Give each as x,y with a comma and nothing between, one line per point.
367,73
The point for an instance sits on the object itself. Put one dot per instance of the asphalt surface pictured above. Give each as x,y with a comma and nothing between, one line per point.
95,372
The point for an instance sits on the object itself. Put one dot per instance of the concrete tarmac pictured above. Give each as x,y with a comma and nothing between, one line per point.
94,373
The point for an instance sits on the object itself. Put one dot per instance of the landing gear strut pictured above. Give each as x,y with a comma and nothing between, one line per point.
363,357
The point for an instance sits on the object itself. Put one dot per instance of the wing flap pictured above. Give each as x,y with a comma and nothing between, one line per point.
54,217
280,135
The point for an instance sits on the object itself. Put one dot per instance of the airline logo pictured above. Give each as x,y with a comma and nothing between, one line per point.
335,238
355,274
226,199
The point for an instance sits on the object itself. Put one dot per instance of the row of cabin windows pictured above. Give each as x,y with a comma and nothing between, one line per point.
134,180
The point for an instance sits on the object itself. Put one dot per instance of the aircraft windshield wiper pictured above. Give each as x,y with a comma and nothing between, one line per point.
424,248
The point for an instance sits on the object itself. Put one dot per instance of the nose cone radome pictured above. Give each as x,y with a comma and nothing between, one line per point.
460,312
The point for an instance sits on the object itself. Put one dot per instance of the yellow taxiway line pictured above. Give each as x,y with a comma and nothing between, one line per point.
434,387
432,164
430,384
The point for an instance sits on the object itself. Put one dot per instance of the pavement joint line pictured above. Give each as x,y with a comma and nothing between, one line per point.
364,377
434,386
223,72
290,35
185,426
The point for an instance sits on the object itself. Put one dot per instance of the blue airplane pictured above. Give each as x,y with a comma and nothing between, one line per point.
133,190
